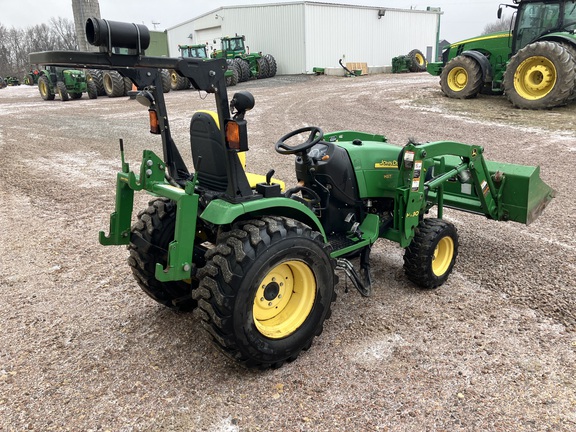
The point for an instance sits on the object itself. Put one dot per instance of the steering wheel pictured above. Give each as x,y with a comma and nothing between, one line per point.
316,134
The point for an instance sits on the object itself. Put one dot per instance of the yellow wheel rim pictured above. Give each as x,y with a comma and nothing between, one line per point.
535,77
457,79
420,59
43,88
443,256
284,299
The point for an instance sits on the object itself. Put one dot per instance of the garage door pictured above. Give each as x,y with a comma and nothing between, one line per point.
208,35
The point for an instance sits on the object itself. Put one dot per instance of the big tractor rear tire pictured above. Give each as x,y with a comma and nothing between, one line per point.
62,91
91,89
272,66
113,84
572,50
165,80
430,257
232,80
417,61
263,70
540,76
96,76
178,82
461,78
266,290
44,88
243,70
150,237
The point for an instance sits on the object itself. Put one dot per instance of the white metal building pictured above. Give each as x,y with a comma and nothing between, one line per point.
302,35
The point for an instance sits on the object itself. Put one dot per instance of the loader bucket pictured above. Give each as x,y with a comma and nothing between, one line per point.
524,196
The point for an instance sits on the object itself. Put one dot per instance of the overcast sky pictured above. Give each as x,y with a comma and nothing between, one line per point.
461,19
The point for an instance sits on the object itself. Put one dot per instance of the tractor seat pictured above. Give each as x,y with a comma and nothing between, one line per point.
207,143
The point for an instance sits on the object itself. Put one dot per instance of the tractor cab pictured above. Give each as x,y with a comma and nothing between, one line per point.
538,18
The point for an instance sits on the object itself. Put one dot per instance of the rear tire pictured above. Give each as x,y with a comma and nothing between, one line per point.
150,237
243,70
113,84
178,82
272,66
266,291
417,61
430,257
540,76
92,90
165,80
96,76
461,78
263,71
44,88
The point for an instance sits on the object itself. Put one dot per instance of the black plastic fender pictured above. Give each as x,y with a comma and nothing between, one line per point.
483,62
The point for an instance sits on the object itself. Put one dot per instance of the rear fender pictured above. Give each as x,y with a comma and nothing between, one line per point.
220,212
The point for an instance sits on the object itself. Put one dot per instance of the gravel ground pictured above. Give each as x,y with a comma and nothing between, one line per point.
83,349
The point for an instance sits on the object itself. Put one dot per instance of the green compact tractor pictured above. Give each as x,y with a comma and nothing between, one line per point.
259,263
178,82
534,64
67,83
250,65
31,78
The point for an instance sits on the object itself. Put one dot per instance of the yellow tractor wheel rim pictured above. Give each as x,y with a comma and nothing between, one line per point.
420,59
535,77
43,88
443,256
457,79
284,299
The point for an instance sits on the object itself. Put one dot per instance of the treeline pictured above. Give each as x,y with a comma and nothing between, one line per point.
16,44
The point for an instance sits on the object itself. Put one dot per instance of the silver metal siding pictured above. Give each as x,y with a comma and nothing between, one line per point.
358,35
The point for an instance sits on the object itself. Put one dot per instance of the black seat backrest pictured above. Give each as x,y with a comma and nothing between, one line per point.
207,143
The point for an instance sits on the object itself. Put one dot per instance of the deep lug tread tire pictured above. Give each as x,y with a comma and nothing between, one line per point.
263,70
419,255
417,61
62,91
44,88
565,76
150,237
91,89
229,283
457,89
165,80
272,65
243,68
113,84
572,50
96,76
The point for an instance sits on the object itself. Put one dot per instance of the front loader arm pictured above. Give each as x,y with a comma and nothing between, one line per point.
456,175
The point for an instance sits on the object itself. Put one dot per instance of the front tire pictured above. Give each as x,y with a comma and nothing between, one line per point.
540,76
430,257
149,241
266,291
62,91
461,78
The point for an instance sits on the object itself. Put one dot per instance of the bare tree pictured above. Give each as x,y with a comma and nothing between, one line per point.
503,24
16,44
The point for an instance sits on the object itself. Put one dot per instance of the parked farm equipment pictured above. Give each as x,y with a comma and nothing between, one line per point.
535,64
250,65
178,82
65,82
414,61
257,262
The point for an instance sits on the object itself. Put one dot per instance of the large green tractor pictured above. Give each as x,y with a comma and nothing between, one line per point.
250,65
178,82
64,82
258,262
534,64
